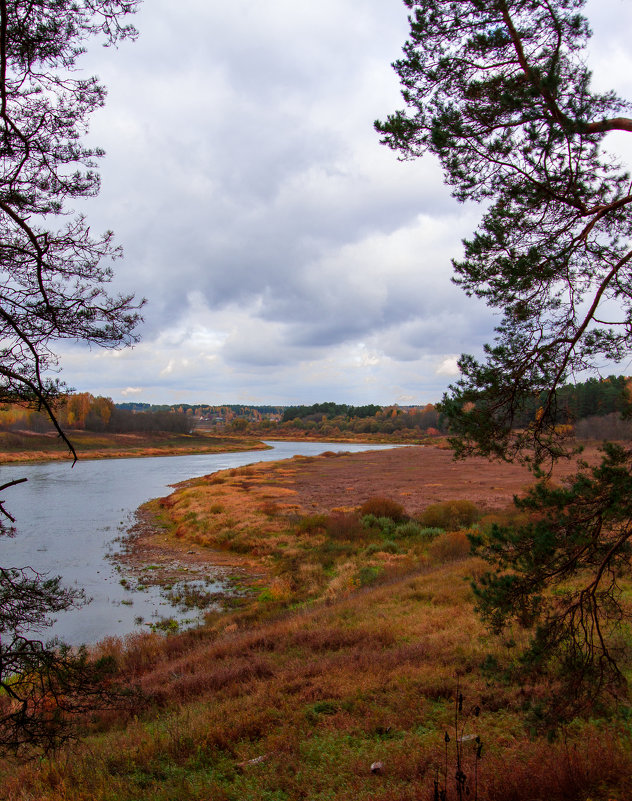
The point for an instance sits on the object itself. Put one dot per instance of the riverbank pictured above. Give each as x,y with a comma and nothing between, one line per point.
337,675
26,446
277,518
407,437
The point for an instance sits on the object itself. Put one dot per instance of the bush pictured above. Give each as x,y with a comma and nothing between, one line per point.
430,533
450,547
384,507
386,526
408,529
368,575
450,515
388,546
608,426
313,523
344,526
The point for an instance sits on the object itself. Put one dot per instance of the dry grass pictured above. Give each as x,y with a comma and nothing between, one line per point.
319,695
295,692
30,447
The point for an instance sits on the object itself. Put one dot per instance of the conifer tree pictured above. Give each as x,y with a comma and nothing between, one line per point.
499,92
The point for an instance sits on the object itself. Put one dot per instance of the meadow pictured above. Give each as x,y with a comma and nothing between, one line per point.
349,664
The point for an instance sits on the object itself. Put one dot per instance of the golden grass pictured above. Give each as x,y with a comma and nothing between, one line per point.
295,692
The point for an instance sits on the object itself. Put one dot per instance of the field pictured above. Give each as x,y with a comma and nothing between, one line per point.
26,446
346,648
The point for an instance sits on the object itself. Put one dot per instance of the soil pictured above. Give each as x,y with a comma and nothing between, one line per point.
172,560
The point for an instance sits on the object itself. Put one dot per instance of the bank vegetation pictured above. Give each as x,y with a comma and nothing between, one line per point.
350,665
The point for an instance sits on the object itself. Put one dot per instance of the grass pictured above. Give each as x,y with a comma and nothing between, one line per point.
342,652
30,447
317,697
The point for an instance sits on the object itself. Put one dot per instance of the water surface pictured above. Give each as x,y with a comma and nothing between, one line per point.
68,520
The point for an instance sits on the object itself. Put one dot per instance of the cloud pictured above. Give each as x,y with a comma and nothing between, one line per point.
286,255
449,366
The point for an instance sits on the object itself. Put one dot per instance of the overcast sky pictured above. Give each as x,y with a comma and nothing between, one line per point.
286,256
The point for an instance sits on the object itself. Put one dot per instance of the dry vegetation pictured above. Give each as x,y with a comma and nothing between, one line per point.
346,651
26,446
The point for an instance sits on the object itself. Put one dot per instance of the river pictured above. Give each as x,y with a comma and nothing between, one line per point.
69,519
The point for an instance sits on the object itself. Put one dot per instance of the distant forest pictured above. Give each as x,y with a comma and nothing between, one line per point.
595,397
85,412
597,408
202,409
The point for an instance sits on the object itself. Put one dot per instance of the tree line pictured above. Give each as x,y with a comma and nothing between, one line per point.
578,404
575,402
228,411
330,409
83,411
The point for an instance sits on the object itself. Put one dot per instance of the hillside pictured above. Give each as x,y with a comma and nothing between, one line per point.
347,647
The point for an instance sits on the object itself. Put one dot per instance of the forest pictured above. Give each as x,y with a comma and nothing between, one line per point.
84,412
595,408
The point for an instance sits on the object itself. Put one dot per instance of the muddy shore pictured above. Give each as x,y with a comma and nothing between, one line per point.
414,476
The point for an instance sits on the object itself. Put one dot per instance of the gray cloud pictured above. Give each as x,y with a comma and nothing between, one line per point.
286,255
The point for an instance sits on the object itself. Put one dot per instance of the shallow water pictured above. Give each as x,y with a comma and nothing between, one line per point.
68,520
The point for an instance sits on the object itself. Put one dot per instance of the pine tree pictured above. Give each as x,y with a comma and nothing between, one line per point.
499,92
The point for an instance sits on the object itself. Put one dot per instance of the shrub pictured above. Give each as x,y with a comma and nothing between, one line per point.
384,507
382,525
344,526
388,546
329,552
313,523
368,575
388,528
608,426
504,517
408,529
450,515
430,533
449,547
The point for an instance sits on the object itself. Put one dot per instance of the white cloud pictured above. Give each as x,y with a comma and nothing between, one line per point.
448,366
286,255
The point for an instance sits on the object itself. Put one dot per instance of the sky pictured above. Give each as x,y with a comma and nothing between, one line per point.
286,255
